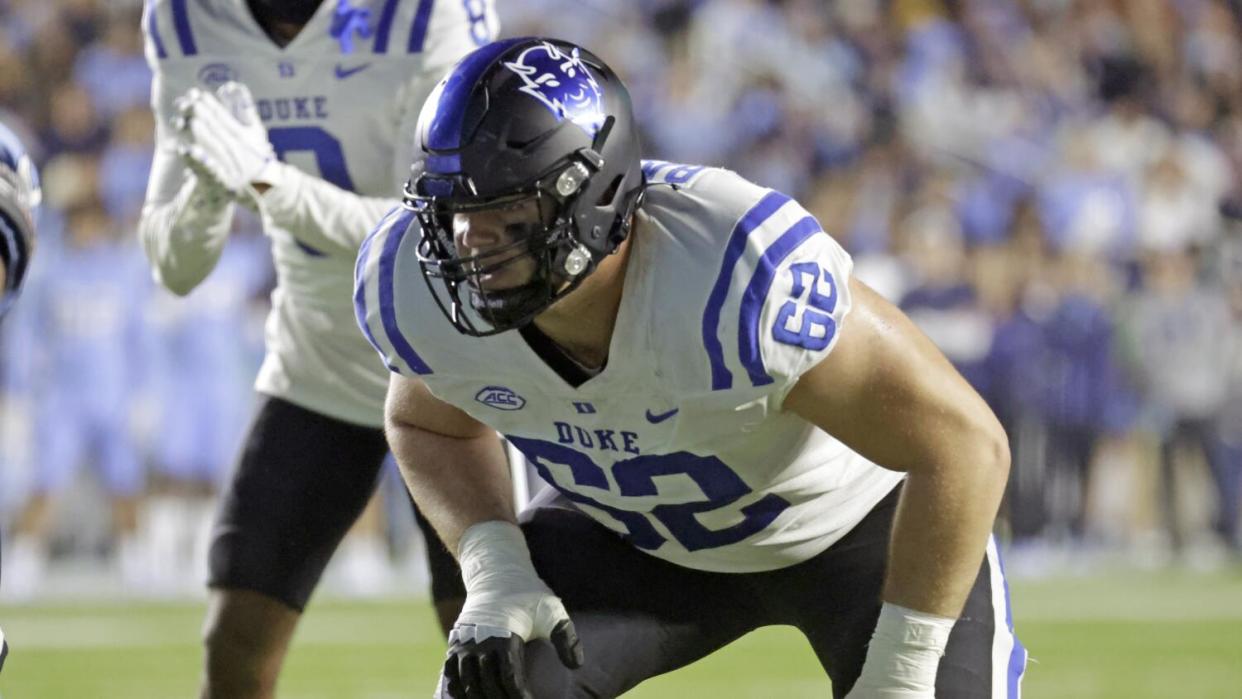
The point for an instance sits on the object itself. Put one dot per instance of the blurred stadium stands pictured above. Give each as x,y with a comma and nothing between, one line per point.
1052,189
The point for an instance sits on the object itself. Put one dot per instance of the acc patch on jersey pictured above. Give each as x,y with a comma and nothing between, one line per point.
214,75
500,398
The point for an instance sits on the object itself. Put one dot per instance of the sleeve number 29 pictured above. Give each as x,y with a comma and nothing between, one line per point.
813,330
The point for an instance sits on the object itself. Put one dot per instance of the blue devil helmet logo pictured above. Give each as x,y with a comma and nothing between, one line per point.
563,83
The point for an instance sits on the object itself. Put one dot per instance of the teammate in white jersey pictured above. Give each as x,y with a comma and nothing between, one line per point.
19,195
731,422
317,145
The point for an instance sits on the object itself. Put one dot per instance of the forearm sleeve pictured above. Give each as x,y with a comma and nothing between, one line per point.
317,212
184,224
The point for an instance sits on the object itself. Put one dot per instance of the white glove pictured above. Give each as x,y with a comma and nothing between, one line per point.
904,655
507,604
224,137
203,201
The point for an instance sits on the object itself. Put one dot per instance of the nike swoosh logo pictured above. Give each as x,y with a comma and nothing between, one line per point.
308,249
342,72
661,417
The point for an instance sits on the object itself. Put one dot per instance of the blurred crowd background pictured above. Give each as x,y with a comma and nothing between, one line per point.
1052,189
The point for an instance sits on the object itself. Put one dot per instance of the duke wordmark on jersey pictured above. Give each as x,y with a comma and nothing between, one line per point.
292,108
597,438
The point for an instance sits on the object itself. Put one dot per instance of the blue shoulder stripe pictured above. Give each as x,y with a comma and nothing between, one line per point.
384,27
181,22
151,27
768,205
388,311
757,291
360,285
418,30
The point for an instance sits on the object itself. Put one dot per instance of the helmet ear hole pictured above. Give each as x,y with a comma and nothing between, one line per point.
610,194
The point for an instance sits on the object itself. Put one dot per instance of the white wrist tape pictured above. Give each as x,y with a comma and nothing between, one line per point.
492,548
504,593
904,655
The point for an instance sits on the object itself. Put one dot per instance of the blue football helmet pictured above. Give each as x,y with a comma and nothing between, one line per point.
522,120
19,195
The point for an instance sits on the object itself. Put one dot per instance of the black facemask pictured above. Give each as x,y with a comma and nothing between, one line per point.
291,11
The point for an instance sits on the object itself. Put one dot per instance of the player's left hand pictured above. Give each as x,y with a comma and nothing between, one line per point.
507,605
494,667
224,136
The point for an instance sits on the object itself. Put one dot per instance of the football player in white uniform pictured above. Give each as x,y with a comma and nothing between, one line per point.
19,195
732,424
316,145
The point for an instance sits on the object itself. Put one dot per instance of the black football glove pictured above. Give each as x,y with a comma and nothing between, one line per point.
495,668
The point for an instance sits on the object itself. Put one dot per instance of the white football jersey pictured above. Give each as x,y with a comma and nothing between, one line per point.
732,292
340,102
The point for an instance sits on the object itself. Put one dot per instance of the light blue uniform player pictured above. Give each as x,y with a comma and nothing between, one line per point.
88,318
203,351
19,195
739,433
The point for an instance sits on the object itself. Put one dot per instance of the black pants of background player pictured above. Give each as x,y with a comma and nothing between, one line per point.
638,616
301,481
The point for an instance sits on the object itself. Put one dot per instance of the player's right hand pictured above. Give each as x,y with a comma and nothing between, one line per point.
507,605
223,136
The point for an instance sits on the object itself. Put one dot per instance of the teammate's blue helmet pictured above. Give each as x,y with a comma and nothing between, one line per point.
517,120
19,195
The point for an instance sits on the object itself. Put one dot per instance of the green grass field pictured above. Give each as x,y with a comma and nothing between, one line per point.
1130,636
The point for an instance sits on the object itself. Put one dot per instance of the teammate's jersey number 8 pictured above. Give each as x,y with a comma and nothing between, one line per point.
329,155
